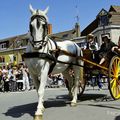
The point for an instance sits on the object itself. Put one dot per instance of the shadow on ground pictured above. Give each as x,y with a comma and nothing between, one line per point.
18,111
59,101
95,97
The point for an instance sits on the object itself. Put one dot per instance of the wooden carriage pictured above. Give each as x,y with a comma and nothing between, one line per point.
110,68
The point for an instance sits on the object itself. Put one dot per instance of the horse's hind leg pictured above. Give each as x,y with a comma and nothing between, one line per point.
70,81
75,85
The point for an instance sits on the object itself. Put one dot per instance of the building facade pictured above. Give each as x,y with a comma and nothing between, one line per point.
12,48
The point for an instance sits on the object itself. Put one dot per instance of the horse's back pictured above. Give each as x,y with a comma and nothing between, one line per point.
69,46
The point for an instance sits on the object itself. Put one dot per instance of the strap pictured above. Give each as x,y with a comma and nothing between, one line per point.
39,55
55,54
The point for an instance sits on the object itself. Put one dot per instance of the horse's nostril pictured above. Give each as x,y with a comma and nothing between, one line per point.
40,47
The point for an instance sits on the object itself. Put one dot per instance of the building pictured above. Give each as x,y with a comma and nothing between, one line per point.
105,22
12,48
67,35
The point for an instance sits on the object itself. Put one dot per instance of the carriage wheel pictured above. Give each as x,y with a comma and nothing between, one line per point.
114,77
82,82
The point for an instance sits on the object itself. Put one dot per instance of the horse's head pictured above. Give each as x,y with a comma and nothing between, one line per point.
38,26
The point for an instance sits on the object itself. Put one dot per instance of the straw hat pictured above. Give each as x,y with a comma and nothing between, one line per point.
90,36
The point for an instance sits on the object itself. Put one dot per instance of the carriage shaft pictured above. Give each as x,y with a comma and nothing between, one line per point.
81,58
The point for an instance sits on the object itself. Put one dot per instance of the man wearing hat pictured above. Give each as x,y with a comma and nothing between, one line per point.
105,50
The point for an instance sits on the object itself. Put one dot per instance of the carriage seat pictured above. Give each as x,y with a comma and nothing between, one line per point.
87,54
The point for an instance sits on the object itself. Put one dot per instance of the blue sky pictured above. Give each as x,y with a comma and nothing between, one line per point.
15,14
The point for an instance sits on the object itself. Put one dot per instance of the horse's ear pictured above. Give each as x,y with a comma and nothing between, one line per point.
46,10
31,9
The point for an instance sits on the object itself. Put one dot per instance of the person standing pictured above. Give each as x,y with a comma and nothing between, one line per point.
5,79
26,84
1,80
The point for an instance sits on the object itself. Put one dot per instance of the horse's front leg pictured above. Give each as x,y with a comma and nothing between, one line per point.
43,79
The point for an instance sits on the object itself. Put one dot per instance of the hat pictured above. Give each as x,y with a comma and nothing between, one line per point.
106,35
90,35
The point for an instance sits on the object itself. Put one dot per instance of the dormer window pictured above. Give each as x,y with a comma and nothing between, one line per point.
65,35
103,18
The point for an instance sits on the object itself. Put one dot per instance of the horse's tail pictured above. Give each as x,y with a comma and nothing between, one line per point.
79,54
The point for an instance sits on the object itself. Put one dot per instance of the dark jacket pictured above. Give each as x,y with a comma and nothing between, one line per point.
105,50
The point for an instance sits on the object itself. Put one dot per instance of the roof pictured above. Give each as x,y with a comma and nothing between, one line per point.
92,26
64,35
23,36
114,8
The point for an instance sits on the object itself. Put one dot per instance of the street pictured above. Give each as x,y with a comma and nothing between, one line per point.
93,105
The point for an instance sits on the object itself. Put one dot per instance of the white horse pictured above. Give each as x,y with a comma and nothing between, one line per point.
42,56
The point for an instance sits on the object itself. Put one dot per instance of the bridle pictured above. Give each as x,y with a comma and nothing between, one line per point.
42,42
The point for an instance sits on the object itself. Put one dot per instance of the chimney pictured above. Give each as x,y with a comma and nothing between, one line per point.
49,28
77,28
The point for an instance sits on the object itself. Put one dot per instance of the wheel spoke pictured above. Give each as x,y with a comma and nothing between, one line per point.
117,92
111,81
113,69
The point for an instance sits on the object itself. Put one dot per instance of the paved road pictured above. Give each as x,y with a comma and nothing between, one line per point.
93,105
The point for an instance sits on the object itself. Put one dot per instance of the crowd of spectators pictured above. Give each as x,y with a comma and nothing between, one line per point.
17,78
14,78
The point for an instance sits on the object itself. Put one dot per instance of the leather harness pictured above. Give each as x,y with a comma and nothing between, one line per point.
52,56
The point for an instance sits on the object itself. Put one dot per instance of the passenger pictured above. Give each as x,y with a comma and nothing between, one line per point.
90,48
91,44
105,52
116,49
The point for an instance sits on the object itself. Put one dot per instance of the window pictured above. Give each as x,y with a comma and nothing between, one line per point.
65,35
103,18
3,46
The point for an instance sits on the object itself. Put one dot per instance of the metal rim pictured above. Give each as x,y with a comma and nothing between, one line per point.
114,77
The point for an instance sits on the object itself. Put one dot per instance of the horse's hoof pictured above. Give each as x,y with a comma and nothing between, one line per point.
73,104
38,117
